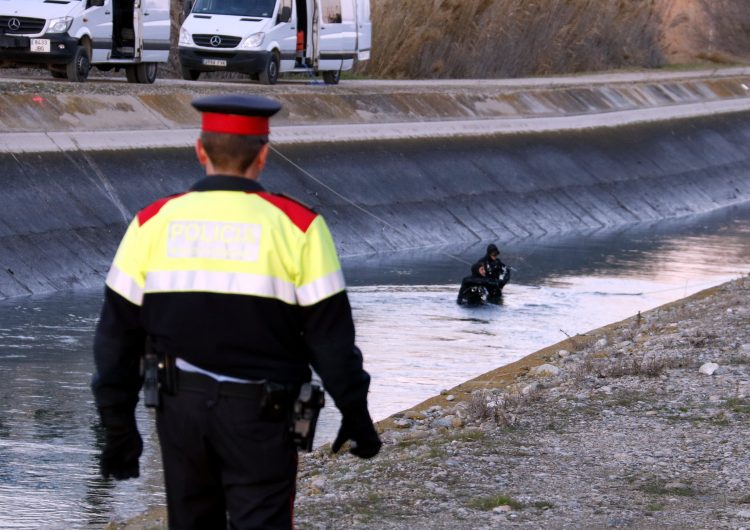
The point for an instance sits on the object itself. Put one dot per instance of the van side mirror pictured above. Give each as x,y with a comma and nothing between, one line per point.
285,14
96,3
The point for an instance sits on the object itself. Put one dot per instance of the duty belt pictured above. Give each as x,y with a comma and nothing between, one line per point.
197,382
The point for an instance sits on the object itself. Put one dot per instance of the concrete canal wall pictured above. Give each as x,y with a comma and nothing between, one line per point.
390,166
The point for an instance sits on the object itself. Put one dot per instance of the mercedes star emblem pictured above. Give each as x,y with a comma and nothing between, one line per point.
14,24
215,41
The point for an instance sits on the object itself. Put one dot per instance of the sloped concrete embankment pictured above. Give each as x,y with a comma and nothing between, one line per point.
51,117
62,213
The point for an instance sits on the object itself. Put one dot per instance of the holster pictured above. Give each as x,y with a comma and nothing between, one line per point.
159,376
278,403
305,414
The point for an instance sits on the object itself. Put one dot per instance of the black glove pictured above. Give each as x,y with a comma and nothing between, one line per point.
357,426
122,444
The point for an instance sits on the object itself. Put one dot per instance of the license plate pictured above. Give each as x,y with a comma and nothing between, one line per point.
39,45
214,62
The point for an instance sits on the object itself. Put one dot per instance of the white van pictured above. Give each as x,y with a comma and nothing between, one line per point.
69,36
265,38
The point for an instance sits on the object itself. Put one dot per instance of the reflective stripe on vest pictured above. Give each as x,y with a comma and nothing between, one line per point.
124,285
220,282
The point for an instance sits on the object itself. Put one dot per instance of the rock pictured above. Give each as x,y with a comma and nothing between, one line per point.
545,370
563,354
502,509
530,388
417,435
318,485
446,422
413,415
708,368
744,513
450,397
601,343
402,424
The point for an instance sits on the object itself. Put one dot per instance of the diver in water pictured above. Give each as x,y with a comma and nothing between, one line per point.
495,269
491,260
488,277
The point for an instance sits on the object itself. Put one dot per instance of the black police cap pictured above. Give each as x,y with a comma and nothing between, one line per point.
239,104
239,114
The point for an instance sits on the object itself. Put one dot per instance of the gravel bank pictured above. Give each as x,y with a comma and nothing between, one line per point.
640,424
618,428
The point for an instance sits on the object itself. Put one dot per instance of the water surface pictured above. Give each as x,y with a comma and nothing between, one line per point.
415,338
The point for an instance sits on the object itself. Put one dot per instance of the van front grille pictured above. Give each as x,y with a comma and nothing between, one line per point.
21,25
216,41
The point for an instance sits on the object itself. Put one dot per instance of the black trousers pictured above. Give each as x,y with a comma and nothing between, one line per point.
225,467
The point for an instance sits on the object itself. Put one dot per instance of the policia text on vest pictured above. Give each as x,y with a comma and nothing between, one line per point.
240,293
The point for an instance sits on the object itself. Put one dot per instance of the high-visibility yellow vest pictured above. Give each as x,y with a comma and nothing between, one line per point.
233,280
230,242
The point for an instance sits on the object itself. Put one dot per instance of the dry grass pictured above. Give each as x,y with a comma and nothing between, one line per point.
511,38
515,38
499,408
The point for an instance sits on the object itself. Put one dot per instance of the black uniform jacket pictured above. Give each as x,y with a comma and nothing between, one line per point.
234,280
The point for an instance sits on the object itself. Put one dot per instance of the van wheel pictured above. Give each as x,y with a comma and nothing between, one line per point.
144,73
332,77
190,75
270,75
78,69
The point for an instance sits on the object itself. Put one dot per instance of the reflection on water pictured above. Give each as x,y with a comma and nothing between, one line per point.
416,340
48,429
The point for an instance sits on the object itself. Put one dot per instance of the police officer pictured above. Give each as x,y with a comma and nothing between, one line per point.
240,288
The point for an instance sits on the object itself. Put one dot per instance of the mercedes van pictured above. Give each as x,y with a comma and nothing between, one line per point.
68,37
265,38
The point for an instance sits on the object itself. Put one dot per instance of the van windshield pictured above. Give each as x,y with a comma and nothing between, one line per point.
244,8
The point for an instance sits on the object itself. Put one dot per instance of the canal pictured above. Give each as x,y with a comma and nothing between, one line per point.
416,341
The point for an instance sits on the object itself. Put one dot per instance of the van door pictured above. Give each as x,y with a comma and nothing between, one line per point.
314,39
156,28
285,33
348,28
125,45
364,30
138,28
331,35
99,21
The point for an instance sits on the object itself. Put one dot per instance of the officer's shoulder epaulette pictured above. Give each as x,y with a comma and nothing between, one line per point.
298,213
152,209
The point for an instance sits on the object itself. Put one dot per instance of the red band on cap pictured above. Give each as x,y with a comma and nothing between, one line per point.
235,124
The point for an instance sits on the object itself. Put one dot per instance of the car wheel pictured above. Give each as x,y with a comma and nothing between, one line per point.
332,77
146,73
270,75
131,74
78,69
